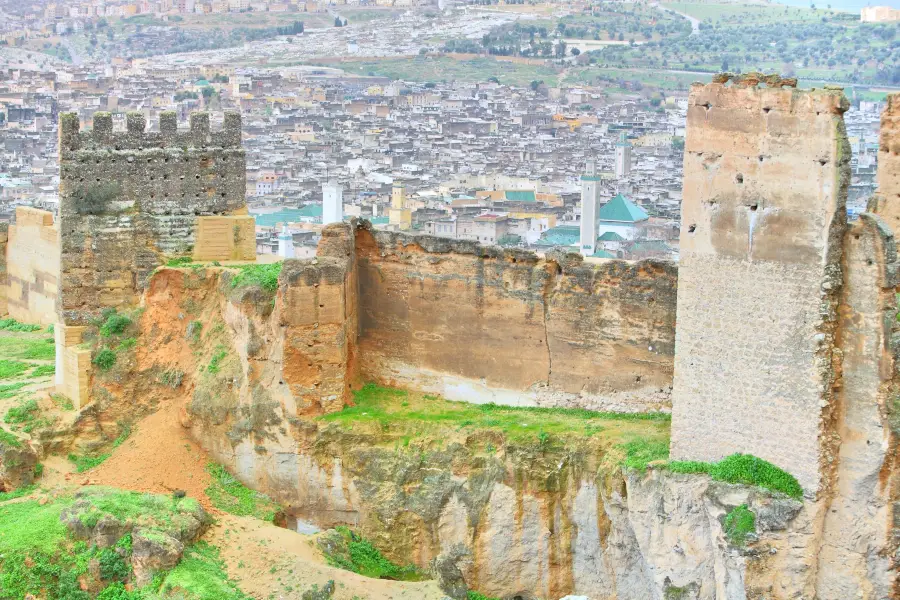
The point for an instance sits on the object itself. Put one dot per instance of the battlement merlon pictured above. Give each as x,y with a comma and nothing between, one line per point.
135,137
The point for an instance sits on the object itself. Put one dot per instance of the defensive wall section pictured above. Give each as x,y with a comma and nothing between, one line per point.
483,324
32,276
763,218
128,199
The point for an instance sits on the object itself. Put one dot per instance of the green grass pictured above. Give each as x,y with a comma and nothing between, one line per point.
639,453
745,469
228,494
218,356
8,439
404,412
8,390
23,413
364,558
43,370
180,261
18,493
86,462
62,402
263,276
201,574
480,596
737,12
39,557
13,325
739,523
28,347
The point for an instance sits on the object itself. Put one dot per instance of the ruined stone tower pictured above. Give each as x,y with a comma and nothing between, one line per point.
128,199
763,219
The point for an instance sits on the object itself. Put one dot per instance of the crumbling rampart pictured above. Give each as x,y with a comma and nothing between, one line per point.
129,198
483,324
32,258
763,217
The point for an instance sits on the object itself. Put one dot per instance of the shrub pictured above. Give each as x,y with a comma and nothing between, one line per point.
105,359
15,326
23,413
115,325
95,200
112,565
738,524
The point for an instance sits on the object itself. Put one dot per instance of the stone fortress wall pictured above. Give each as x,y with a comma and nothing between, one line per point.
482,324
32,256
128,199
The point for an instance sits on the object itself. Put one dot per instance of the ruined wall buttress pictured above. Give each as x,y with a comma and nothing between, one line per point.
763,217
485,325
129,198
854,560
4,245
886,202
32,262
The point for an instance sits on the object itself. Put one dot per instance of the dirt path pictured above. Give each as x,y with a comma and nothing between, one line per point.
270,562
158,457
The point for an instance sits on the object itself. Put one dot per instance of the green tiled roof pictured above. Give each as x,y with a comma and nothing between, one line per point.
520,196
623,210
564,235
288,215
610,236
602,254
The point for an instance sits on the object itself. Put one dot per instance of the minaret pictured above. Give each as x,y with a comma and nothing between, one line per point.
590,204
400,215
285,243
332,203
623,157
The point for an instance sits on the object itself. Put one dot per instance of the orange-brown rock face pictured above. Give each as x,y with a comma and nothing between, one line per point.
886,202
485,325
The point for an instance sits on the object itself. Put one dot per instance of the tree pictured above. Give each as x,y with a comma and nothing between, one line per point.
338,22
535,84
575,51
207,92
724,64
561,49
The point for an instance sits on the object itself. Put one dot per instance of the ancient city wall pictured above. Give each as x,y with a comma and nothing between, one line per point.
886,202
486,325
763,217
129,198
32,259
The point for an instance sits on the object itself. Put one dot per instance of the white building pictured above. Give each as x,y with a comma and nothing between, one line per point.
623,157
590,202
332,203
285,243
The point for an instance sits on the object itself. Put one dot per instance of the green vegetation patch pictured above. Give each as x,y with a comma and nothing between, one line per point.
181,261
43,370
86,462
745,469
104,359
738,524
262,276
639,453
39,557
480,596
8,390
201,574
228,494
115,324
8,439
13,325
415,414
345,549
28,347
23,413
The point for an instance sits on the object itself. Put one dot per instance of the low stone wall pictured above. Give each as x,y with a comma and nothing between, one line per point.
482,324
32,263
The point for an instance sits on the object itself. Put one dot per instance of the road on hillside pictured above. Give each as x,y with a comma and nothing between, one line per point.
695,23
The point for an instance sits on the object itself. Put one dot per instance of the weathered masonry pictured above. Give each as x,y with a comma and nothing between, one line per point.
129,198
763,218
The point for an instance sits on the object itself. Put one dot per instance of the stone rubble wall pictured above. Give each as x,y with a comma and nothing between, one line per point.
127,199
32,259
482,324
886,202
765,178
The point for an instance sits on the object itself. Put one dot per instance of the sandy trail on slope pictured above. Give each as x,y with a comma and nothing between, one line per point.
270,562
159,457
267,562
